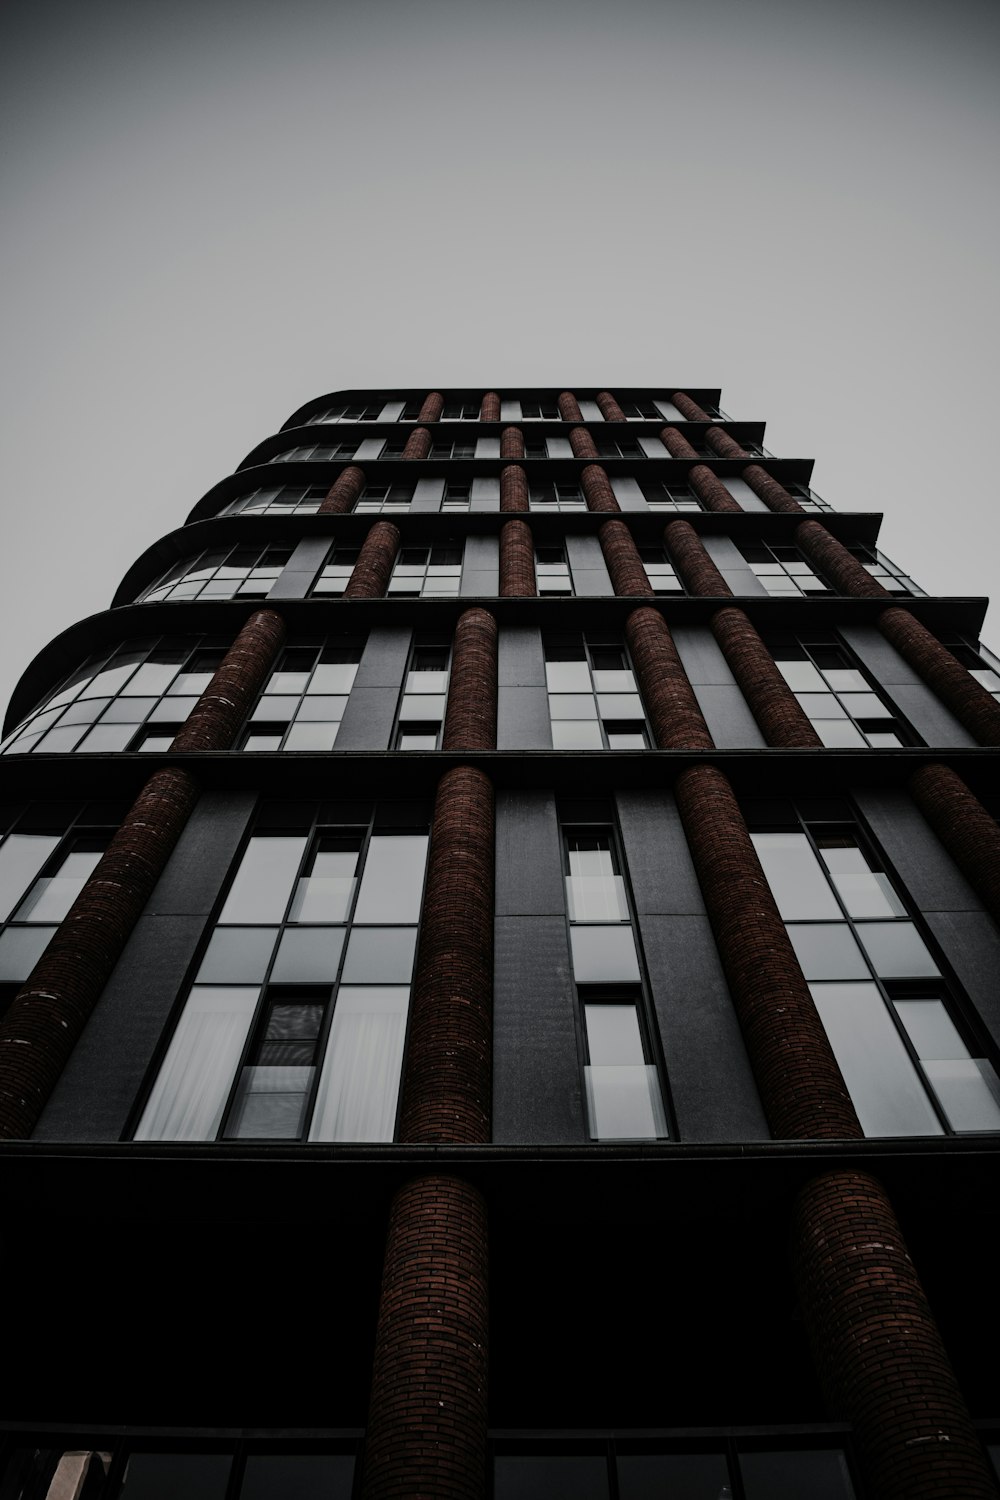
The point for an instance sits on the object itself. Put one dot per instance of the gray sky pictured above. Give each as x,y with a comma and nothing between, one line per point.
213,211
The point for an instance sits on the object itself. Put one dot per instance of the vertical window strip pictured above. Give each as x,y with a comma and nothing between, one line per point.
305,697
221,573
594,701
841,704
425,696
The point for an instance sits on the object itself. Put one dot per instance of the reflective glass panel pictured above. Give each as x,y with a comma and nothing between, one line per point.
264,880
896,949
827,950
298,1476
880,1075
308,955
22,855
393,879
551,1477
624,1103
380,955
673,1476
20,950
166,1476
865,892
237,955
819,1475
193,1084
795,876
603,954
577,734
359,1084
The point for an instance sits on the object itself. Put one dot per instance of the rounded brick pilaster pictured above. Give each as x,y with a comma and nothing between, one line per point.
512,443
514,489
447,1081
628,576
711,491
674,715
418,444
723,444
768,489
968,832
490,410
344,493
373,568
832,558
877,1347
973,706
471,720
597,489
517,561
772,702
218,716
609,408
43,1023
800,1084
689,410
582,443
569,407
426,1433
695,568
676,443
433,406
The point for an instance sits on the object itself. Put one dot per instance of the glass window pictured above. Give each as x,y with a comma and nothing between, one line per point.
305,698
244,571
594,700
425,688
833,692
285,500
433,571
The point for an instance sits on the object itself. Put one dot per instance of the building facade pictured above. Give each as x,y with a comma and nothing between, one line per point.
498,982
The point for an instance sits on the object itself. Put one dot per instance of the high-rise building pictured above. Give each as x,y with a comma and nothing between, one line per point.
500,983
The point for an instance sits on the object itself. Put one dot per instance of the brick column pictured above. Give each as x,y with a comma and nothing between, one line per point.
834,561
964,827
582,443
674,715
771,701
707,486
770,490
45,1020
695,568
418,444
877,1347
689,410
725,446
490,410
973,706
628,576
609,408
512,443
514,488
800,1083
432,408
569,407
597,489
773,494
517,561
471,720
345,492
373,568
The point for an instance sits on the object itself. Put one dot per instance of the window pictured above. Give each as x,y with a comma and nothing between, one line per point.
461,411
305,697
641,411
594,702
660,571
449,449
540,411
552,575
310,453
103,705
782,570
354,412
881,568
457,497
295,1024
981,663
336,572
221,573
392,449
806,497
425,696
669,496
535,447
609,448
283,500
557,497
909,1064
411,411
385,497
434,571
841,704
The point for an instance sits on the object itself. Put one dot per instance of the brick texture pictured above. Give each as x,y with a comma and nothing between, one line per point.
877,1346
839,566
517,561
426,1432
512,443
694,567
971,703
800,1085
513,488
674,715
344,493
968,832
768,489
447,1082
217,717
582,443
628,576
373,568
471,720
609,408
689,409
490,411
45,1020
723,444
676,443
432,408
597,489
569,407
418,444
772,702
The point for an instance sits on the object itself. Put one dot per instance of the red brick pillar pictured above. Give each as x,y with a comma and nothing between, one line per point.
973,706
569,407
695,568
800,1084
490,410
707,486
432,408
418,444
514,488
725,446
676,443
517,561
834,561
628,576
45,1020
345,492
689,410
582,443
597,489
768,489
609,408
471,720
373,568
771,701
877,1347
964,827
674,715
512,443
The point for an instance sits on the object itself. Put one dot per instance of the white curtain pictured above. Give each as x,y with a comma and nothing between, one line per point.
193,1085
360,1080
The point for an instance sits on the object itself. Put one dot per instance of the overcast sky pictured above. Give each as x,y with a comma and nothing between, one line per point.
216,209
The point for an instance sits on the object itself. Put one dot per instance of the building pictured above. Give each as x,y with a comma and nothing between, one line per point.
499,969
